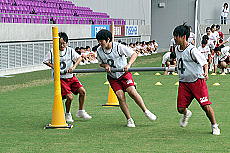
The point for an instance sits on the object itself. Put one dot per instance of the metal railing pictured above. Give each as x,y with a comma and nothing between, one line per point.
214,21
19,55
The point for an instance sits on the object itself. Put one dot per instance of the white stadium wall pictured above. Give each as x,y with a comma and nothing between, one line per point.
34,32
125,9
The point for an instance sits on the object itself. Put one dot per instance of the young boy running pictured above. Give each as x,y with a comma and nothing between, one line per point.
113,55
193,73
69,60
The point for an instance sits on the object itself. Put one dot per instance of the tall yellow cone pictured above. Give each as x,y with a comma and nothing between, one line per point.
112,98
58,120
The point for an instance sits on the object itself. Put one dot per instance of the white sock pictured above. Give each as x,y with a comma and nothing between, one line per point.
215,125
81,111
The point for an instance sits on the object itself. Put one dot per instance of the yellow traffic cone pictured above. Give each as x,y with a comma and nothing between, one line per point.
216,84
174,73
157,74
176,84
136,73
213,74
158,84
222,74
112,98
58,119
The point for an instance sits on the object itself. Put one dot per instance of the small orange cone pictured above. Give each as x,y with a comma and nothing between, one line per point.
112,98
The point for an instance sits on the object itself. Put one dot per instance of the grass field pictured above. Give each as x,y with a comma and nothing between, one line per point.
26,107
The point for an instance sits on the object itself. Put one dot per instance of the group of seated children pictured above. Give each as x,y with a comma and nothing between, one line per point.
142,48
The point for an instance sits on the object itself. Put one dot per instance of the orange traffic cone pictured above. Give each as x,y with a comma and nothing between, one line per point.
58,120
112,98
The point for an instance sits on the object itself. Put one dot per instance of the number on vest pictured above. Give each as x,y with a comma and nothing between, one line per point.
111,63
181,66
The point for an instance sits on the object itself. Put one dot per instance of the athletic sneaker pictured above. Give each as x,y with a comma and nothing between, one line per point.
185,118
83,114
215,129
130,123
68,117
150,115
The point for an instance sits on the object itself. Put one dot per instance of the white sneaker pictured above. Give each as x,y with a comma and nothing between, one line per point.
215,129
130,123
185,118
68,117
150,115
83,114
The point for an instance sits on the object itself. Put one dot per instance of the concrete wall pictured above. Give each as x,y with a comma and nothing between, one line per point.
210,10
31,32
126,9
34,32
165,19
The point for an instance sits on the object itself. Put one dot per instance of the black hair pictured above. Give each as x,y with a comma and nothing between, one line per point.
172,55
64,36
226,5
213,26
205,37
204,41
207,28
123,43
87,47
95,48
104,35
182,30
130,44
77,48
218,26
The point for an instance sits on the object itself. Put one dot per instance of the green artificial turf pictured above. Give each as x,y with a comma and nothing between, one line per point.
26,107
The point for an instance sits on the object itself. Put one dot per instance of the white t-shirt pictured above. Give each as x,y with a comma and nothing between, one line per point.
210,44
223,56
172,43
216,34
224,12
192,37
166,57
66,60
205,51
190,64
